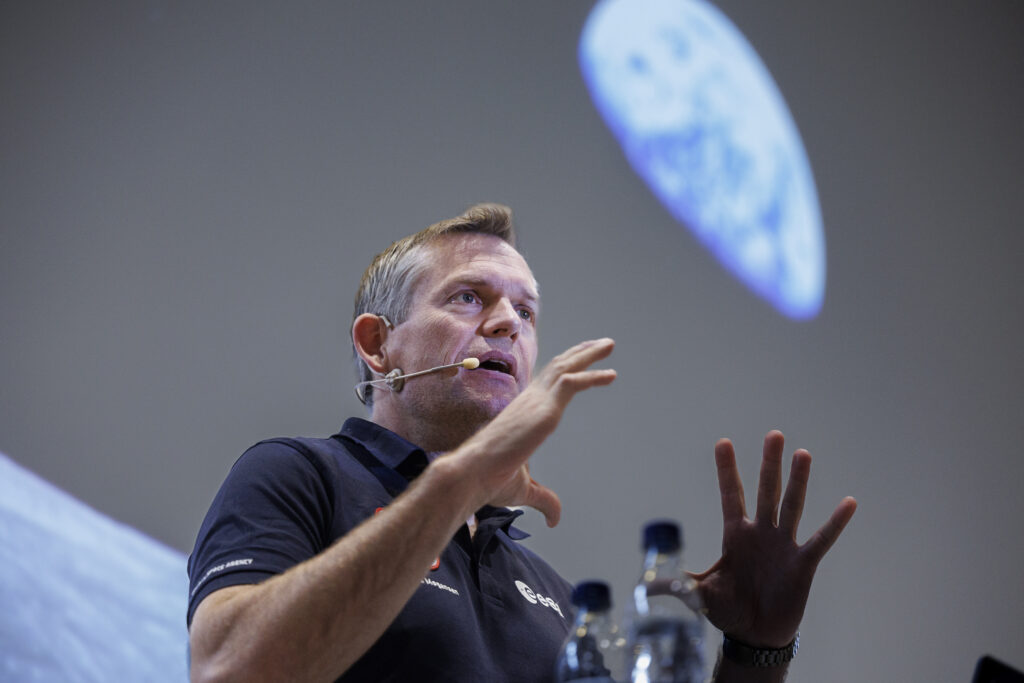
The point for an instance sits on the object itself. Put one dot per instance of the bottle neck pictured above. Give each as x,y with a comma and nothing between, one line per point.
585,617
663,584
659,565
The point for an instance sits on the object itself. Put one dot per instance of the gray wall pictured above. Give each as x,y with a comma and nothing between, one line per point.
190,191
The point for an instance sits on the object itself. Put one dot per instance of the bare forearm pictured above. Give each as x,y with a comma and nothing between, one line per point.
315,620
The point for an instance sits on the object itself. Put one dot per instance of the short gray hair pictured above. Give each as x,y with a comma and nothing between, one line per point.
387,285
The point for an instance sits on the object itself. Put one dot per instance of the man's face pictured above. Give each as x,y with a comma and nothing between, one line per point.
476,297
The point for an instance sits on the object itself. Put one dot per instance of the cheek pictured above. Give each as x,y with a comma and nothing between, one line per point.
529,360
416,342
437,339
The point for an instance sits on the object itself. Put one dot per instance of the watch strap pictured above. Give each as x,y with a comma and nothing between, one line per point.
745,655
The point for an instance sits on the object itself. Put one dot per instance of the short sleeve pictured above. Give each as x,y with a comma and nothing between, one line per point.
273,511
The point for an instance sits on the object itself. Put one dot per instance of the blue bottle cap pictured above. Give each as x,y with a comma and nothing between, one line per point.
592,595
663,535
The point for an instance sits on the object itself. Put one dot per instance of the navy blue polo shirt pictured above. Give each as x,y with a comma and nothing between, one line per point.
491,610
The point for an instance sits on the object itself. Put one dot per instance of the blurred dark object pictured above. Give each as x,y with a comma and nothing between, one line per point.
991,670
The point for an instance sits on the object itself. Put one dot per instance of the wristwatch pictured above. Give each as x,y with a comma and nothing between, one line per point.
745,655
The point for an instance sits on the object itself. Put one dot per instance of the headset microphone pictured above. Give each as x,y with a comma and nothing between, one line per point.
395,380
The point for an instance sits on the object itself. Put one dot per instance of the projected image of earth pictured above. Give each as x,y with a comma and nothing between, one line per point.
701,121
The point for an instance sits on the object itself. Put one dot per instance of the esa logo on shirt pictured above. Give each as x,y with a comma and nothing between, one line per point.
537,598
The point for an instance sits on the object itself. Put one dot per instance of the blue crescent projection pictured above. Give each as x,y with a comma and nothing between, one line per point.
702,122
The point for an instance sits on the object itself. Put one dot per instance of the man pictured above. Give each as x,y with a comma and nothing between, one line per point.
319,559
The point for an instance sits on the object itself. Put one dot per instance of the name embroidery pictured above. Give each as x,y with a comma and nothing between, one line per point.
438,584
219,568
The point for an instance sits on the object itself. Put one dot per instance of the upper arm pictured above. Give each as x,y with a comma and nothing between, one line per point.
273,511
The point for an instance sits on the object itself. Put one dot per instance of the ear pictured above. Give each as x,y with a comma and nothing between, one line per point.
369,332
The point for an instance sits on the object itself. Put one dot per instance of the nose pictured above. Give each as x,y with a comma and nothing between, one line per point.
502,320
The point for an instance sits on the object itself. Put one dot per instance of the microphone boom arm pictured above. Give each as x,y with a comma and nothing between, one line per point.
395,380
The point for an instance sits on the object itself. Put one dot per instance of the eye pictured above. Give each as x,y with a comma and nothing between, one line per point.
466,298
526,314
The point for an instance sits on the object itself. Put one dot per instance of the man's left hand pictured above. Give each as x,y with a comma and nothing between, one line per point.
756,592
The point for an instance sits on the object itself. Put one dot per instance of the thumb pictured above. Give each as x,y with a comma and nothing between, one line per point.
545,501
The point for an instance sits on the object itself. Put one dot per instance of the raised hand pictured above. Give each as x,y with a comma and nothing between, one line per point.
756,592
499,452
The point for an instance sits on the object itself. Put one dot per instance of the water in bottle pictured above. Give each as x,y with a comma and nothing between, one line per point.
593,649
666,626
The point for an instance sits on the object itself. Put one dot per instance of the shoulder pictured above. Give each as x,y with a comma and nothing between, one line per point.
278,506
292,460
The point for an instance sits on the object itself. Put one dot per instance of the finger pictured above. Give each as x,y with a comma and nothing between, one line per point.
769,487
701,576
544,500
796,490
729,484
569,385
823,539
581,356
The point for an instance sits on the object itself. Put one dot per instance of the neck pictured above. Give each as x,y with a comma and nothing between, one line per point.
433,436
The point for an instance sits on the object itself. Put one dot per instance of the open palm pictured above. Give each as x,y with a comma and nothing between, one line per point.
756,592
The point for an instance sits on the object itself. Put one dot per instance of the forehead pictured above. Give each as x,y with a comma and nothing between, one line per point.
475,257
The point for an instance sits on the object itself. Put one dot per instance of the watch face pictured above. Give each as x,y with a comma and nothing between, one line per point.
991,670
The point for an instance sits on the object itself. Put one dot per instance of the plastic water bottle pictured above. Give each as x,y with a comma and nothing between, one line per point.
666,628
593,649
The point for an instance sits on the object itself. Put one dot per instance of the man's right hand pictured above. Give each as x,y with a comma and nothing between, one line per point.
497,456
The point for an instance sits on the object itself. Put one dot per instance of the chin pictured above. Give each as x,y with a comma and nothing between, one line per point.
489,409
478,407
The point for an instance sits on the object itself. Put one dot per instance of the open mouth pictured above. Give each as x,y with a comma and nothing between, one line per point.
496,365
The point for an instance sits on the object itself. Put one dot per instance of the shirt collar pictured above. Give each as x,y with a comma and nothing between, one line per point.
409,460
404,457
500,518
